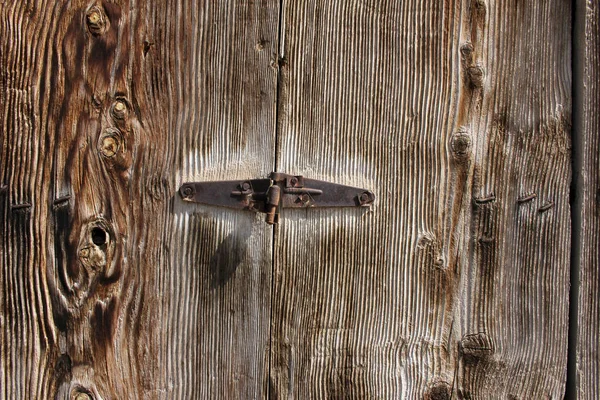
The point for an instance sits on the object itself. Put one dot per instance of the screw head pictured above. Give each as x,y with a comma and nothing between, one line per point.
187,192
246,186
365,198
304,199
293,181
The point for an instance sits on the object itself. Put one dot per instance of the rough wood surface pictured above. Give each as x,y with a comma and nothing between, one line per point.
455,284
588,130
111,287
457,114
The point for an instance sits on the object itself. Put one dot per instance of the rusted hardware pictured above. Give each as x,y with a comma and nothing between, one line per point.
278,191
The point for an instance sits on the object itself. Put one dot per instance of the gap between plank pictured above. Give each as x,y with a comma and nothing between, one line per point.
576,198
279,57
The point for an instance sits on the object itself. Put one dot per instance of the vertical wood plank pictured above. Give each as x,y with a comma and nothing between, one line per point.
514,310
588,198
457,115
364,300
112,287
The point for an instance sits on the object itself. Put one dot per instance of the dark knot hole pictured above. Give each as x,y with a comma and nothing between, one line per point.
98,236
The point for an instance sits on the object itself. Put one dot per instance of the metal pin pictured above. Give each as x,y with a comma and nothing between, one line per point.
20,206
527,198
62,199
546,207
484,200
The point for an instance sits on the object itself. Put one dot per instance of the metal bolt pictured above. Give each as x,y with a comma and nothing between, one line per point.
246,186
188,192
364,198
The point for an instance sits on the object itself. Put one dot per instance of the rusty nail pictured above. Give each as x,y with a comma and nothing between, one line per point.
484,200
527,198
546,207
20,206
62,199
486,239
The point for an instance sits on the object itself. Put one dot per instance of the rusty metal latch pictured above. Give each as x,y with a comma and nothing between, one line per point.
277,191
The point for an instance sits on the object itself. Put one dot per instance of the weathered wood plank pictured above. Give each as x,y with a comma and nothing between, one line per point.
111,286
514,316
456,283
588,198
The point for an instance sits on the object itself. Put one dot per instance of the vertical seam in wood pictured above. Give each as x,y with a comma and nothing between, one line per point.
577,64
279,56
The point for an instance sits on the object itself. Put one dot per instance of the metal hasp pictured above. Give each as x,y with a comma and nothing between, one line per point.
279,190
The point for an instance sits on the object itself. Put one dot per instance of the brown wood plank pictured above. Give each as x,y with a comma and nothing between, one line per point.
456,282
514,315
588,198
121,290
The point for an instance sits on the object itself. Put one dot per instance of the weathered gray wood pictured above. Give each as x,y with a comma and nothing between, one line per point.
588,198
115,104
457,115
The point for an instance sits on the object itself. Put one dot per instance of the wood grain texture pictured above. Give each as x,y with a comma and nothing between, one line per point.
457,115
588,130
111,286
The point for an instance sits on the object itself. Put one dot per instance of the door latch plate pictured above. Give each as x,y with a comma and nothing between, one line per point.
277,191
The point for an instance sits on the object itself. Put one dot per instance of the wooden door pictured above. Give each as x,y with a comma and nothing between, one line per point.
455,284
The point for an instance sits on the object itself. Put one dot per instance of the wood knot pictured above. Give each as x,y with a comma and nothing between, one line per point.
480,5
466,52
476,347
63,367
79,394
438,391
460,144
110,142
96,20
476,76
96,246
119,109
